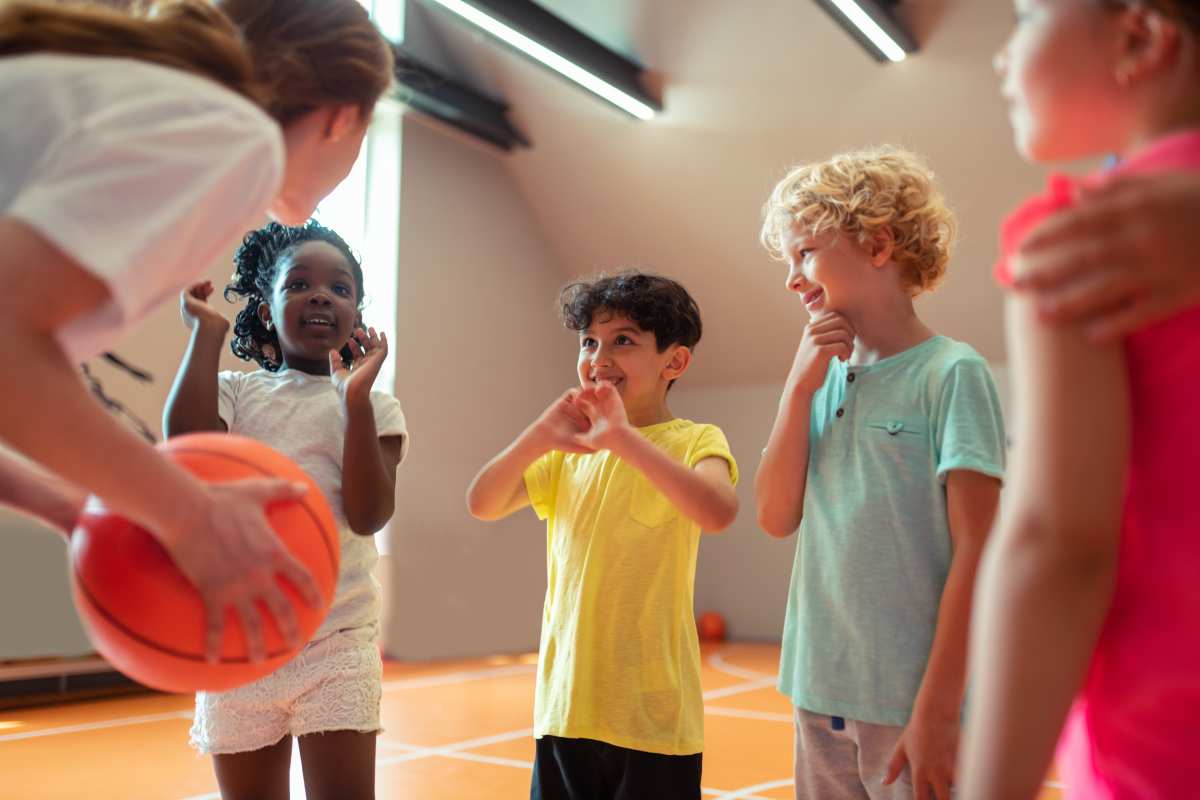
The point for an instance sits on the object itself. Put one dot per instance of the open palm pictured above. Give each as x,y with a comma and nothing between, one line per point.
367,353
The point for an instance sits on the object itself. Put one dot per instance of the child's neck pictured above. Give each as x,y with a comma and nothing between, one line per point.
650,411
307,366
887,328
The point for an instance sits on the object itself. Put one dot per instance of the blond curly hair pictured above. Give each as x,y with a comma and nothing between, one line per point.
861,193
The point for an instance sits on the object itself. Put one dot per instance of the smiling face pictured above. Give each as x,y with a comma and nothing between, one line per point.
614,349
827,270
313,305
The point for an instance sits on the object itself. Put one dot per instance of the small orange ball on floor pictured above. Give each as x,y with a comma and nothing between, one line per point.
710,626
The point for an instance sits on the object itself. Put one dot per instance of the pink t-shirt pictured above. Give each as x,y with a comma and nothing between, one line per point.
1134,731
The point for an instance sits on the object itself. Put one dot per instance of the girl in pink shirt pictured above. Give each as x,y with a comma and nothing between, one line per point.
1088,615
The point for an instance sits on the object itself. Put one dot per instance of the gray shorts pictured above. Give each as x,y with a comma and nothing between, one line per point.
838,759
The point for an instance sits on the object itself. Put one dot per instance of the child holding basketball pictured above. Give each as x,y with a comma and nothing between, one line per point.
303,289
886,457
626,489
1088,608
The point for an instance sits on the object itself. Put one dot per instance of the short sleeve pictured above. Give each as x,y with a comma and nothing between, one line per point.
541,482
229,389
711,443
149,194
389,419
969,424
1059,194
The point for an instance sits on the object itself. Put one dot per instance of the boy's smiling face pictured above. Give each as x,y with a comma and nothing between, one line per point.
826,270
614,349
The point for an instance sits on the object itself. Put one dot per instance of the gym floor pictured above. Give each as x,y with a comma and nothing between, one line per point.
452,731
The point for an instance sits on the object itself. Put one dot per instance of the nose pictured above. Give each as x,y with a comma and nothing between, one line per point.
1000,62
319,298
796,282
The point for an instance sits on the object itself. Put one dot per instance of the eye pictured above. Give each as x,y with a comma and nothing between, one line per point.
587,343
623,339
295,285
342,289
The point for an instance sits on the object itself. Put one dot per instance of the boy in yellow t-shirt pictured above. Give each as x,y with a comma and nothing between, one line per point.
625,488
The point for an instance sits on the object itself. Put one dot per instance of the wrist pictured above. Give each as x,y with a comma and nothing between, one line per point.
211,329
356,401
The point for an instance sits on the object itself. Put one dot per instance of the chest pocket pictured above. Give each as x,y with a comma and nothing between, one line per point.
899,432
648,506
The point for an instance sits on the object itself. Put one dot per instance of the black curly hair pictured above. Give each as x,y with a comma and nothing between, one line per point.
257,266
652,302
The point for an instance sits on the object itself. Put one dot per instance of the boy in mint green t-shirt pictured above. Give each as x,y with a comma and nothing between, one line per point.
886,456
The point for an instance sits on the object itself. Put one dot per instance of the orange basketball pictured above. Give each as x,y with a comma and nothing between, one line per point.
710,626
148,620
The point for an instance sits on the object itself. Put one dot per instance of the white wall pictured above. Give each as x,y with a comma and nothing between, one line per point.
479,354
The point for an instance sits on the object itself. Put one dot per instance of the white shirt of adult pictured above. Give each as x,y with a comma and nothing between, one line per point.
144,175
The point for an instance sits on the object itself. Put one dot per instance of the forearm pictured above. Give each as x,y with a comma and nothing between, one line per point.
1041,608
782,474
49,416
942,687
192,403
710,505
368,486
41,494
490,495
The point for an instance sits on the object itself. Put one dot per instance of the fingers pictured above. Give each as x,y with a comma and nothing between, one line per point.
214,627
295,573
1088,296
896,765
335,362
1049,268
271,490
1117,323
285,616
248,615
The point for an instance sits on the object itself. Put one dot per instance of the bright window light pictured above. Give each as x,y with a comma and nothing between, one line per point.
878,36
587,80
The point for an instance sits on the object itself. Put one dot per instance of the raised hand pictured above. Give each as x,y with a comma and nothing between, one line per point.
560,425
825,337
605,412
367,353
195,310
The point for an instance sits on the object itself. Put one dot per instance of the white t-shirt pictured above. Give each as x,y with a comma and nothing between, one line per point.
144,175
301,416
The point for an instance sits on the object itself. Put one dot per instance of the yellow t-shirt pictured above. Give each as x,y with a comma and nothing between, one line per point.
619,659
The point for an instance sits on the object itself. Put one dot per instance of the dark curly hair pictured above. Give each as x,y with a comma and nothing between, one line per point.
257,266
652,302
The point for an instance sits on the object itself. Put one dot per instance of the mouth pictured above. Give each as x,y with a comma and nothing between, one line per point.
319,321
615,380
812,297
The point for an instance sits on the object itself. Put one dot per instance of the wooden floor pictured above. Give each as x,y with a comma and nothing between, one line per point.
453,731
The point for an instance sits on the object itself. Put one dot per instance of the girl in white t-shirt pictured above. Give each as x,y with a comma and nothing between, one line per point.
303,290
135,150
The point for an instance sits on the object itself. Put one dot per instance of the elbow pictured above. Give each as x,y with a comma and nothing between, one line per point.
1078,551
775,526
371,521
476,508
722,517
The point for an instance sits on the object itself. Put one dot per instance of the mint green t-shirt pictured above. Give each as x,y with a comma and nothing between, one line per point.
874,547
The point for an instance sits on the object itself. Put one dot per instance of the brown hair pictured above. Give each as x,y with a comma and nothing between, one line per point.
288,56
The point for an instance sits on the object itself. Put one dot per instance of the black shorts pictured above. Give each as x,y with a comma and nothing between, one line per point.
584,769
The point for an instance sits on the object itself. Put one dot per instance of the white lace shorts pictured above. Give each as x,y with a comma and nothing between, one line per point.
334,684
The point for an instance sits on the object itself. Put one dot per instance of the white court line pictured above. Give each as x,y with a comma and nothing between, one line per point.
717,661
95,726
747,793
458,677
769,716
739,688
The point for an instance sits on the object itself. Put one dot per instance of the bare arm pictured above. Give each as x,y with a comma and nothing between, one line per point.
49,416
930,741
1048,574
192,404
783,472
39,493
368,470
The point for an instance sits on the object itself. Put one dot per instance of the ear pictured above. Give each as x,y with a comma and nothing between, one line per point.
1149,41
264,314
680,360
881,246
341,121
